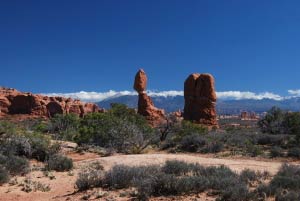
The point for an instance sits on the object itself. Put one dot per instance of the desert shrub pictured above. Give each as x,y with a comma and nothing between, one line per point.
187,128
29,144
120,128
4,175
278,121
14,164
192,143
287,178
253,150
248,176
59,163
213,147
276,152
90,176
40,145
165,182
237,139
167,144
169,184
17,165
287,196
14,144
177,167
236,192
267,139
29,185
292,123
65,126
174,178
273,121
262,191
41,126
121,176
8,128
294,152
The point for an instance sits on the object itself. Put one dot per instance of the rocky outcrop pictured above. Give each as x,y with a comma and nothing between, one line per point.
248,115
200,99
15,102
146,107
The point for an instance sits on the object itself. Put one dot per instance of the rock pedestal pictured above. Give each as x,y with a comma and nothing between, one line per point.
146,107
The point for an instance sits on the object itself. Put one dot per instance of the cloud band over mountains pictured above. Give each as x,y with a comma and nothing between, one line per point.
225,95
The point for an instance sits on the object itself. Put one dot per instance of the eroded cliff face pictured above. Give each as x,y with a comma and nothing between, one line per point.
16,102
146,107
200,99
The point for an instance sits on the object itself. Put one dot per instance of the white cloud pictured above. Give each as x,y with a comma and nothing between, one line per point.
295,92
233,95
93,96
238,95
165,93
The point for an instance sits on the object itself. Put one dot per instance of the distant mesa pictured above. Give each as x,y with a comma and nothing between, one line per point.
15,102
146,107
200,99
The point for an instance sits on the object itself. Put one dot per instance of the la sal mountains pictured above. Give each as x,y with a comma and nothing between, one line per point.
174,103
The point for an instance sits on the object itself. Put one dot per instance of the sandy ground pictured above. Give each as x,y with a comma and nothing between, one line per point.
62,187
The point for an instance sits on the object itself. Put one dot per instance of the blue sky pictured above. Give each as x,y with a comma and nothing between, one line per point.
62,46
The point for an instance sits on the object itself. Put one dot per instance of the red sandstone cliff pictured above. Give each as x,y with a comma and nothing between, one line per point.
15,102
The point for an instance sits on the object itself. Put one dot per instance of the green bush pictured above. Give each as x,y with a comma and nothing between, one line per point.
213,147
268,139
4,175
59,163
248,176
17,165
192,143
273,121
65,126
287,178
253,150
294,152
187,128
29,144
287,196
276,152
40,145
120,128
176,167
277,121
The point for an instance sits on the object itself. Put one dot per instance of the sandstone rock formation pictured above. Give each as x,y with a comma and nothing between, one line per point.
140,81
146,107
15,102
248,115
200,99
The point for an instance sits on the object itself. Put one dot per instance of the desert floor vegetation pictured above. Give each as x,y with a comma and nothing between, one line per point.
91,154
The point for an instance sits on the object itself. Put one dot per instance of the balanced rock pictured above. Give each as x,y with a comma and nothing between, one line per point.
146,107
200,99
140,81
